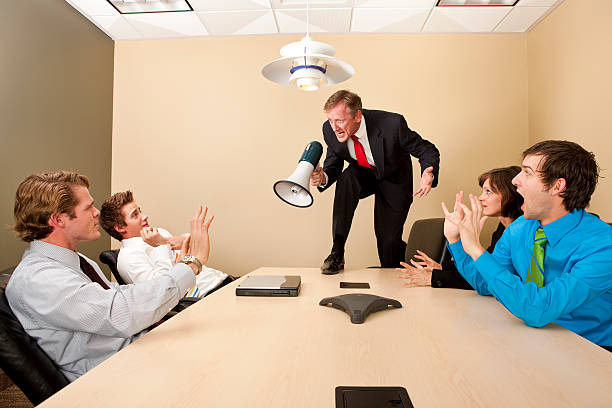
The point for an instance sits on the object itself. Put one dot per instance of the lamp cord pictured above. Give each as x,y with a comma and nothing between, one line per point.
307,31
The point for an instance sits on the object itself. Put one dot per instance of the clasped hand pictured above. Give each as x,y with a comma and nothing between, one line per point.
317,177
466,224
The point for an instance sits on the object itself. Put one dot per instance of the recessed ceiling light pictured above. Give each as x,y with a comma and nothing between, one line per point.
442,3
150,6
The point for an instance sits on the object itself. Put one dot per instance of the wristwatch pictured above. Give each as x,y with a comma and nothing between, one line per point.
187,259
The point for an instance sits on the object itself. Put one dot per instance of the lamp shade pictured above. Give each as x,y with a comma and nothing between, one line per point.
307,64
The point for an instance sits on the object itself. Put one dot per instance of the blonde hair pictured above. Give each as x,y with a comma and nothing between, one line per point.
41,195
351,100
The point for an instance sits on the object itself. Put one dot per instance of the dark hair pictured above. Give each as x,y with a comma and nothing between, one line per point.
501,182
39,196
569,161
110,213
351,100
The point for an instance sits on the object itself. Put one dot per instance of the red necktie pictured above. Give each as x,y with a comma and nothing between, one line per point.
91,272
360,153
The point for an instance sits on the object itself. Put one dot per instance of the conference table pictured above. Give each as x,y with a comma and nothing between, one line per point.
446,347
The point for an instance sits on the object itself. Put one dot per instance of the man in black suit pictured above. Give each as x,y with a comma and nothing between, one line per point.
377,145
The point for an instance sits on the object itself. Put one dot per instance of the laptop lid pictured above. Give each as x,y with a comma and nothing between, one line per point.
269,285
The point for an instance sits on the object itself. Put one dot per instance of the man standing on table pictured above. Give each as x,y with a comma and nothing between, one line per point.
377,146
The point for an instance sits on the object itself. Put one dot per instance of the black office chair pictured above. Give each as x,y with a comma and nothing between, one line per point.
25,363
110,259
5,275
428,236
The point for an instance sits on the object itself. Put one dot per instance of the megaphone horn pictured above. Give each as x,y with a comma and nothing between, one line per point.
296,189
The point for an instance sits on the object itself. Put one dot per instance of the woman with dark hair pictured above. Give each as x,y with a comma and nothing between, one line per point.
499,199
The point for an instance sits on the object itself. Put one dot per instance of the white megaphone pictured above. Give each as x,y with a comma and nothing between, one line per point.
296,189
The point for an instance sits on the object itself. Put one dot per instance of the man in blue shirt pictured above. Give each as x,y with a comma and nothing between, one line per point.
570,282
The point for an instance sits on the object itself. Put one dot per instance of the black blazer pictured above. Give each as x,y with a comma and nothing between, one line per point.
392,143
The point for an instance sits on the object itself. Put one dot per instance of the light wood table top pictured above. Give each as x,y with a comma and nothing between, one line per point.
447,347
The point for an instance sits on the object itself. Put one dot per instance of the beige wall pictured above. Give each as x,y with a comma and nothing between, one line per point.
195,122
570,90
56,75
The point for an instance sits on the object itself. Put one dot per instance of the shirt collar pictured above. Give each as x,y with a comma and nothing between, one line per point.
132,242
62,255
559,228
361,132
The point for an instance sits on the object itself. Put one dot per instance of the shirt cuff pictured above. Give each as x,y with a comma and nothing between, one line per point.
324,184
437,279
455,248
183,276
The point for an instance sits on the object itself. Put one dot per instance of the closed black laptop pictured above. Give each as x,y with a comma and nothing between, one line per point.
269,285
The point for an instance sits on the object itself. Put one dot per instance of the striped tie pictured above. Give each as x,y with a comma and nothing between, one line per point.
536,268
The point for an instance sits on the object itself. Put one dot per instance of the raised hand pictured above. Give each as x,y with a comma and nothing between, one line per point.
414,275
471,226
199,240
453,219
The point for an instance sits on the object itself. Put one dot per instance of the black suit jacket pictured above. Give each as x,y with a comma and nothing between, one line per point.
392,143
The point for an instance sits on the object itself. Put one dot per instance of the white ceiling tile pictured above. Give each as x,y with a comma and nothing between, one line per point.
167,25
94,7
537,3
117,27
389,20
253,17
227,5
521,18
465,19
395,3
321,20
239,22
301,4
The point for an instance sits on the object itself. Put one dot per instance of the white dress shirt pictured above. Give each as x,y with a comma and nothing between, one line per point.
77,322
362,135
139,262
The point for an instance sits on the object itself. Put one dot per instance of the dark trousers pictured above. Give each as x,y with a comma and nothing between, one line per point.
356,183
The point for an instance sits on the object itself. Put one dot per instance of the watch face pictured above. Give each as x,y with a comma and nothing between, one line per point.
192,259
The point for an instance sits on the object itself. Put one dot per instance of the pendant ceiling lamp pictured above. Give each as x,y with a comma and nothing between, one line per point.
307,64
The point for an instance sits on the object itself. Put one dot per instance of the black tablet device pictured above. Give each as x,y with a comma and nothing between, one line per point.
372,397
354,285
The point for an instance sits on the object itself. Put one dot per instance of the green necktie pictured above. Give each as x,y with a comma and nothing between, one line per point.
536,268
